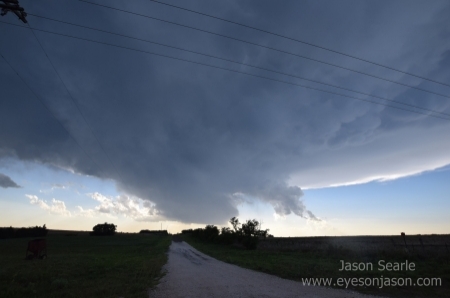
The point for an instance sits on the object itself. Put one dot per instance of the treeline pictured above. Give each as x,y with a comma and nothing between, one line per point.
154,232
246,234
23,232
105,229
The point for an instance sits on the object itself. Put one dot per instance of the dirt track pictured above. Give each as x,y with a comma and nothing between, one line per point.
193,274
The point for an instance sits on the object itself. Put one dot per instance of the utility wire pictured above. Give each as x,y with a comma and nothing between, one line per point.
266,47
300,41
240,63
73,100
48,109
230,70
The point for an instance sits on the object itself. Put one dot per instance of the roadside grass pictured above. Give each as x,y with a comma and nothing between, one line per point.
123,265
296,265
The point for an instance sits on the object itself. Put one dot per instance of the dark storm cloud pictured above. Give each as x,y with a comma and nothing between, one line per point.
188,137
6,182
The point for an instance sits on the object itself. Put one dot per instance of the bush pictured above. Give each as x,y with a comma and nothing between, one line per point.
211,232
154,232
227,236
7,233
250,242
105,229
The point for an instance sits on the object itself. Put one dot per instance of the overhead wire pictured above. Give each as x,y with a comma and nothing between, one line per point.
49,110
299,41
240,63
267,47
74,102
230,70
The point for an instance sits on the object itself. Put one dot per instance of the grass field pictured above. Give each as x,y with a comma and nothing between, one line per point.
79,265
296,265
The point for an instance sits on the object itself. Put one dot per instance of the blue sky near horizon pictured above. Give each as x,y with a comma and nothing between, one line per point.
416,204
102,127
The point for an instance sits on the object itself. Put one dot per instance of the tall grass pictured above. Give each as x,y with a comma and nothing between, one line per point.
309,263
124,265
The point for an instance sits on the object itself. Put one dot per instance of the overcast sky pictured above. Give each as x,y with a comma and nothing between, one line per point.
126,136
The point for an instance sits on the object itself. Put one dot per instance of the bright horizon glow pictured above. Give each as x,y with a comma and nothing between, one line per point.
76,191
149,131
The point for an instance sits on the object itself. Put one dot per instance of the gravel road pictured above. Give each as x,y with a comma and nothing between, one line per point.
190,273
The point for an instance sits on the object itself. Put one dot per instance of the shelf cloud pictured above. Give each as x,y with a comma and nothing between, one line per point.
186,137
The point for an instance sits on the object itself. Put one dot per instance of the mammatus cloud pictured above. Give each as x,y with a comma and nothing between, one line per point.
6,182
57,207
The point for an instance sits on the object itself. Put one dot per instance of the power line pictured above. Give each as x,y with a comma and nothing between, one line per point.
267,47
231,70
74,101
48,109
240,63
301,41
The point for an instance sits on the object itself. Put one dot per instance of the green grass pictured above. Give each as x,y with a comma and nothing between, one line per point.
296,265
124,265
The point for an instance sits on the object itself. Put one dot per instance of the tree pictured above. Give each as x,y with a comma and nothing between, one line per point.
211,232
251,231
247,233
227,236
234,221
253,228
105,229
226,230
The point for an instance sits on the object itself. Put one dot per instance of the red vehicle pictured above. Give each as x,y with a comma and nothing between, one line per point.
37,248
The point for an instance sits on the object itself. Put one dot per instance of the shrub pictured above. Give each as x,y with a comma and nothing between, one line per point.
211,232
227,236
154,232
7,233
250,242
